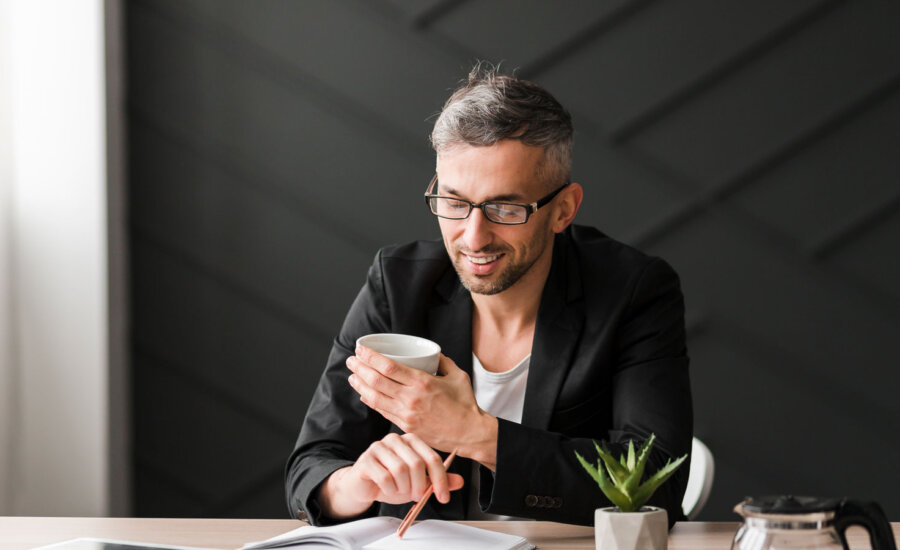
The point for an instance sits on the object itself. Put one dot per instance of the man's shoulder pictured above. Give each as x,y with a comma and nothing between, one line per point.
595,247
416,269
606,266
419,261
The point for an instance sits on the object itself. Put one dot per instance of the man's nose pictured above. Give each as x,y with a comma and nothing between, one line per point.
477,234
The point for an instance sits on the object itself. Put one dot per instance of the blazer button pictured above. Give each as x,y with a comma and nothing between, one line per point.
531,501
557,502
546,502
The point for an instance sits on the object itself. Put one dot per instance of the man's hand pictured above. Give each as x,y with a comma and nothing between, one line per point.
441,410
392,470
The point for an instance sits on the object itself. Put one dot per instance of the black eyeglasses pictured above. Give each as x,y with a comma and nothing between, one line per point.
506,213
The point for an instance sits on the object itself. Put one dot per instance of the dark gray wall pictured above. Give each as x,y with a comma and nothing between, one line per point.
276,145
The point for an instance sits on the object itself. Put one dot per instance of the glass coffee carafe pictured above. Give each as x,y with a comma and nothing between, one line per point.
797,523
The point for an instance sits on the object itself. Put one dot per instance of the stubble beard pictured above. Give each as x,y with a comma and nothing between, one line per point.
503,280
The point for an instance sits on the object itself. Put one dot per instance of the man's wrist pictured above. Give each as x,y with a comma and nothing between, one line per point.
336,501
484,445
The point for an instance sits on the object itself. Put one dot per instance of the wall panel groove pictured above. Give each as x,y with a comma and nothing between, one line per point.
434,12
845,234
533,69
207,386
274,309
624,131
252,176
279,71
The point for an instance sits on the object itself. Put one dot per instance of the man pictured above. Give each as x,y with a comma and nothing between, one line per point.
553,335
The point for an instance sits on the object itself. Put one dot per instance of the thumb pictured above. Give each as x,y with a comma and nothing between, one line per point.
455,481
447,366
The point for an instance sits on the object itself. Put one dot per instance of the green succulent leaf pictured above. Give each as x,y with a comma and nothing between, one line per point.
617,471
638,471
645,447
646,490
591,470
617,497
631,457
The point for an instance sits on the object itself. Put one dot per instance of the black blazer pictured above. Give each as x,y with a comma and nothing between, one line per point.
608,362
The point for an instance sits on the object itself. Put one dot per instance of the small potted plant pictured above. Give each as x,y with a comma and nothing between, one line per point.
629,524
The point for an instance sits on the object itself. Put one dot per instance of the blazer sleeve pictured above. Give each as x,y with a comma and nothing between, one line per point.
537,474
338,427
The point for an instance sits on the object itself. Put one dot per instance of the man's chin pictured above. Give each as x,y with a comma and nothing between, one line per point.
482,288
486,286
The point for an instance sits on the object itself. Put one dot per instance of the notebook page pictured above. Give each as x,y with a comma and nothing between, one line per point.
349,536
444,535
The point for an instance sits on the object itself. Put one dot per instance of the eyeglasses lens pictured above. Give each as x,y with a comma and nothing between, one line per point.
457,210
505,213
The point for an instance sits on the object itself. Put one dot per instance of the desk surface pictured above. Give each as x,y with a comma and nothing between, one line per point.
19,533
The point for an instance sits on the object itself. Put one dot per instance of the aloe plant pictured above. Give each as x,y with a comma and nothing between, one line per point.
623,485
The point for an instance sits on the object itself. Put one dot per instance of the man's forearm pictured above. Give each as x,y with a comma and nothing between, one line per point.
336,500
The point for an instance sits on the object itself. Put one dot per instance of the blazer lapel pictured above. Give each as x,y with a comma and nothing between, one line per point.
450,320
556,335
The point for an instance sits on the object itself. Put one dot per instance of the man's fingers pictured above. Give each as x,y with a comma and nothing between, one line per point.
400,467
393,478
393,370
416,466
434,465
373,378
442,481
373,470
446,366
455,481
374,399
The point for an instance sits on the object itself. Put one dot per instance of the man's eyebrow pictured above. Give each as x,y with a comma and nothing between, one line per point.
508,197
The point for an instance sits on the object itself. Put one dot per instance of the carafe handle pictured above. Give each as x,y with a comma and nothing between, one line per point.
870,516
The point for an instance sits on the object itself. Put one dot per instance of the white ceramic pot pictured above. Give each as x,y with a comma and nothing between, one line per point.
647,529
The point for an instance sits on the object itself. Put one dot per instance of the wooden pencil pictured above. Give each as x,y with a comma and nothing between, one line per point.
414,511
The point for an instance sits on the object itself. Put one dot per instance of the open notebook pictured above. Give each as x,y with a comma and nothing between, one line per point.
381,534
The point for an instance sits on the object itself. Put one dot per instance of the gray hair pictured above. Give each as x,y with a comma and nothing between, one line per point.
490,107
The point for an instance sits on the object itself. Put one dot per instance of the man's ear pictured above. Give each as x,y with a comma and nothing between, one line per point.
568,201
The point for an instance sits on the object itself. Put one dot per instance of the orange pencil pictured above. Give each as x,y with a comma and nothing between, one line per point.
414,511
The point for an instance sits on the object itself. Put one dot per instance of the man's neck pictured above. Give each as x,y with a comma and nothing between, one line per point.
514,310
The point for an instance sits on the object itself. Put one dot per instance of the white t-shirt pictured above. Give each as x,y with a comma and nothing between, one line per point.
501,394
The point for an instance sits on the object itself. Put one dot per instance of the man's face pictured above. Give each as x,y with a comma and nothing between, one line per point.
490,257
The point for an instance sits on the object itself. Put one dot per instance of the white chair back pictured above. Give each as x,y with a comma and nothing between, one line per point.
700,479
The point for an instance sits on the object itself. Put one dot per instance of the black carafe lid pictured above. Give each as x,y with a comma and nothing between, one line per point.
790,504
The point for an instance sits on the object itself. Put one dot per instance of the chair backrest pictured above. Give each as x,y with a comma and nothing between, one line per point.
700,479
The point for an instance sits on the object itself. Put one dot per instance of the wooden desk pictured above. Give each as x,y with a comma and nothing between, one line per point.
20,533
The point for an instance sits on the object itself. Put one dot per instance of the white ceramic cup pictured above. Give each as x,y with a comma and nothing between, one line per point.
412,351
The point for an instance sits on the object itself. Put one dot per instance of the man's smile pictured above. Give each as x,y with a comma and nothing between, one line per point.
482,265
482,259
